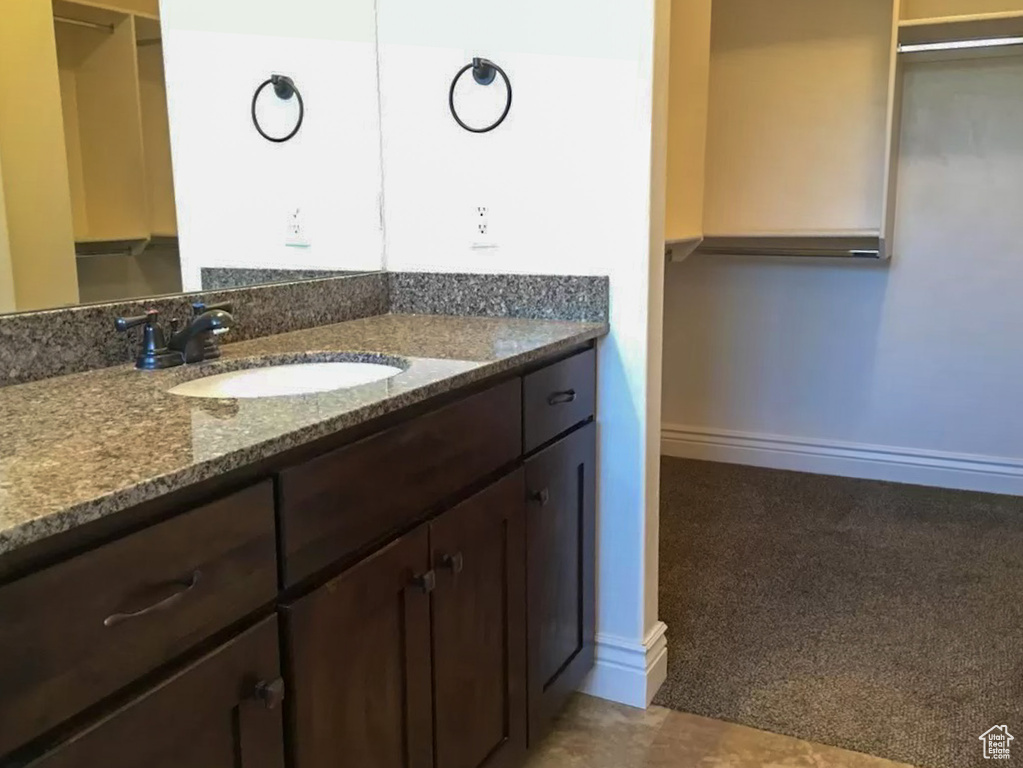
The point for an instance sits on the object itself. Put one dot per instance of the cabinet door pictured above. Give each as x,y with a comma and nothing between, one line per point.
479,629
359,660
560,566
222,712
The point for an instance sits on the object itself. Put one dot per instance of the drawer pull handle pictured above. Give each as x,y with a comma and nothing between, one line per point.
560,398
541,497
167,603
453,562
425,582
271,694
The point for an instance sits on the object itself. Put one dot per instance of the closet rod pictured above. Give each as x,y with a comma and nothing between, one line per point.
80,23
960,45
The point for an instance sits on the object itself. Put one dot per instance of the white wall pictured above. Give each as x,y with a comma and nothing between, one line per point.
567,179
909,371
235,189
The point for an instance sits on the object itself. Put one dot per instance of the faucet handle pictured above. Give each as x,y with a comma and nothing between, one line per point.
199,307
122,324
154,354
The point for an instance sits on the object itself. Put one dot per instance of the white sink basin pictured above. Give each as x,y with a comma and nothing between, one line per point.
280,380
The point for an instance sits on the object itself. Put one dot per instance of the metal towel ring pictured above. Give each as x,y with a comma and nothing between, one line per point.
484,72
285,88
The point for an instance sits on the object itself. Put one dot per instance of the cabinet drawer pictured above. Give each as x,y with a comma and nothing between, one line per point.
222,711
558,397
78,631
339,503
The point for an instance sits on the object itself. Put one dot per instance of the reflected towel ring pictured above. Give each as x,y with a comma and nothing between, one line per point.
285,88
484,72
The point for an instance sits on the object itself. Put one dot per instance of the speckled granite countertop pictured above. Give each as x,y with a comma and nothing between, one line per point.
77,448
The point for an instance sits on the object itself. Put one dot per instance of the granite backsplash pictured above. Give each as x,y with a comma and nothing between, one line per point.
225,278
535,297
38,345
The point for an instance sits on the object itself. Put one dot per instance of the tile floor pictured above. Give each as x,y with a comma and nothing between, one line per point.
598,734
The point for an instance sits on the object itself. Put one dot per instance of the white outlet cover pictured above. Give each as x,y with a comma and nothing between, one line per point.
297,233
482,227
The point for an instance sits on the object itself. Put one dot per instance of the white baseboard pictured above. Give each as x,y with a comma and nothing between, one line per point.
629,672
972,472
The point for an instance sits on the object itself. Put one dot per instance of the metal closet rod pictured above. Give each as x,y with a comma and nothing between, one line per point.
80,23
960,45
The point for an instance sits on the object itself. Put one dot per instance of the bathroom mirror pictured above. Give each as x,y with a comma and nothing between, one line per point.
139,155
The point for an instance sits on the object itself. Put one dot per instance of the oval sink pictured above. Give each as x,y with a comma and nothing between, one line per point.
282,380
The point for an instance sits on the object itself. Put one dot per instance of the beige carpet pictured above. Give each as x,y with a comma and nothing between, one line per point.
877,617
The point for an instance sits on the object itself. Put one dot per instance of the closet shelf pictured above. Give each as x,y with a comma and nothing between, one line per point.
679,249
100,18
119,7
122,247
945,30
846,245
800,147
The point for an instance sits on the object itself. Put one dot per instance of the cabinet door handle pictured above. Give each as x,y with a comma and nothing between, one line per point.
559,398
167,603
270,693
541,497
454,562
426,582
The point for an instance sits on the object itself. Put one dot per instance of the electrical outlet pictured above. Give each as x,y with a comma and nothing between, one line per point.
296,235
482,227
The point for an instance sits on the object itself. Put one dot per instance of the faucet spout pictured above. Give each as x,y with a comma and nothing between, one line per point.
190,341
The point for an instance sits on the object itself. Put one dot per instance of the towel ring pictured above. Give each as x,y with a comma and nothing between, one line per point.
484,72
285,88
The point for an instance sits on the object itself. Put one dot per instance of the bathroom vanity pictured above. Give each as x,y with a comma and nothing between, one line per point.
399,575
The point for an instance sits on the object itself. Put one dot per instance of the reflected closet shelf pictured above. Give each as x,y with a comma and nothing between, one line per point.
133,246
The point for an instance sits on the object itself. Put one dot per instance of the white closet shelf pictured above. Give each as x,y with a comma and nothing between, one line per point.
678,249
952,29
846,245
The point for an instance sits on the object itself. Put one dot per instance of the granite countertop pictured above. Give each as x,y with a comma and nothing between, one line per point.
76,448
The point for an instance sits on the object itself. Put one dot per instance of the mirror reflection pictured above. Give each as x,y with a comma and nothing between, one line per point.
138,159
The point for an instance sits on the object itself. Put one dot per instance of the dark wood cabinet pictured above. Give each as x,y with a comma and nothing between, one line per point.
222,712
416,657
358,654
130,606
479,629
368,491
461,621
560,564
